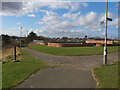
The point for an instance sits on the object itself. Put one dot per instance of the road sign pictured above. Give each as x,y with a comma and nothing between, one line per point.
109,19
102,22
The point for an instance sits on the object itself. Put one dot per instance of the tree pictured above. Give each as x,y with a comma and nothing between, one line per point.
6,40
64,38
32,36
85,37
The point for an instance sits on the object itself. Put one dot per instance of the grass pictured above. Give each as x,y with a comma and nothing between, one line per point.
72,51
14,73
107,76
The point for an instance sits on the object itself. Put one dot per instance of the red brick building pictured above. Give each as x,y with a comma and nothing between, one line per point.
69,44
99,42
85,44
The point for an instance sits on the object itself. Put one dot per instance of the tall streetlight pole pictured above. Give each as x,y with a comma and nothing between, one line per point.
20,36
105,47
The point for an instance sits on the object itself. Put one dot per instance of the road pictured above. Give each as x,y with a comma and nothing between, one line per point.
75,71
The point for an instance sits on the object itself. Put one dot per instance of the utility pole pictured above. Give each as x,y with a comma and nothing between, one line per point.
105,47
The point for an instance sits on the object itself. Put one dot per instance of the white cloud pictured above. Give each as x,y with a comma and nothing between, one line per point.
31,15
13,28
77,31
89,20
71,15
97,30
49,13
85,4
19,23
114,22
50,19
22,8
40,23
75,6
68,22
56,25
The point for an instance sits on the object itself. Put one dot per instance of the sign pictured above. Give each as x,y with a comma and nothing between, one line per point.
109,19
17,39
102,22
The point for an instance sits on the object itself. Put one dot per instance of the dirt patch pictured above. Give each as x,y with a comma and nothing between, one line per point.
6,52
9,51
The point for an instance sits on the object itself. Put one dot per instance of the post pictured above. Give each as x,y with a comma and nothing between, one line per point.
15,52
20,36
105,47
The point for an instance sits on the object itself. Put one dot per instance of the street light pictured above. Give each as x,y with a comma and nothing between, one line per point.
105,46
20,36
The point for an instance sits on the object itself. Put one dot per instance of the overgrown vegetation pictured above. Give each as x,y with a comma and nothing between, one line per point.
6,40
73,51
107,76
14,73
7,59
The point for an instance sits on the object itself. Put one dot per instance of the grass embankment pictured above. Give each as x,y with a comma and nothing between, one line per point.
14,73
8,55
107,76
72,51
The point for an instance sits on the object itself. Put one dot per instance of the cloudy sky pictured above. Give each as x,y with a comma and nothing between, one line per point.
58,19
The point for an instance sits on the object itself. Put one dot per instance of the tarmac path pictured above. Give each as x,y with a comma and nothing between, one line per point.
75,71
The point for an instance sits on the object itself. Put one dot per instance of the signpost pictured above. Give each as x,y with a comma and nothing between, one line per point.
105,21
15,52
105,47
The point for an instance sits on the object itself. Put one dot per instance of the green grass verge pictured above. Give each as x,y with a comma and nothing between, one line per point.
72,51
107,76
14,73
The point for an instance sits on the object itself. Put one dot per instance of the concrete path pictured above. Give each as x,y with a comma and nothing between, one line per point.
76,71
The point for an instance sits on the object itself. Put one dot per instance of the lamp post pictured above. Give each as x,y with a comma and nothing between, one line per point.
105,46
20,36
105,21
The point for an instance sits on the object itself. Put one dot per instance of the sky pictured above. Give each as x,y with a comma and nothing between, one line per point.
59,19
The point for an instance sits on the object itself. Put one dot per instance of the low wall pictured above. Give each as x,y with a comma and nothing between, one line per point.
68,44
100,42
55,44
72,44
42,43
99,45
36,43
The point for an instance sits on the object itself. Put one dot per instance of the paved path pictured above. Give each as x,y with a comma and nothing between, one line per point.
76,71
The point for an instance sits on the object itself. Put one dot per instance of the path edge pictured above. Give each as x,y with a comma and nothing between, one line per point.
94,77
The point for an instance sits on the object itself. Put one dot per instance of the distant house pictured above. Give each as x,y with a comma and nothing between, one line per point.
19,38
